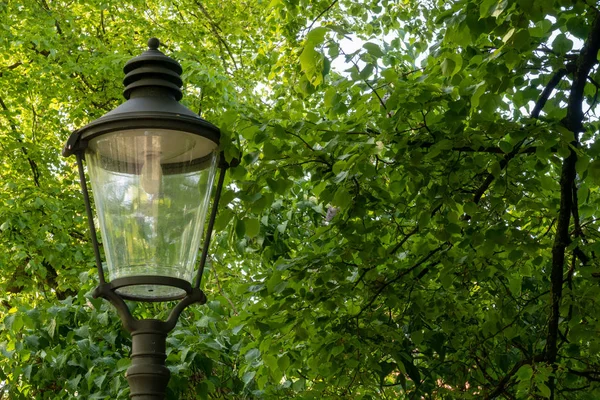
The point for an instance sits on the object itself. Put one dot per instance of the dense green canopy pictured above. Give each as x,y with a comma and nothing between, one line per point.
415,215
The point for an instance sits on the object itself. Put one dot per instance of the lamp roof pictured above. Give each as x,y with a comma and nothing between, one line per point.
153,90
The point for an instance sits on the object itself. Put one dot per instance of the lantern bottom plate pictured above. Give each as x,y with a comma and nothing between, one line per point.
151,288
151,292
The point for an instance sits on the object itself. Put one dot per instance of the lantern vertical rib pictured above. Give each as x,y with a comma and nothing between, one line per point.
90,216
211,223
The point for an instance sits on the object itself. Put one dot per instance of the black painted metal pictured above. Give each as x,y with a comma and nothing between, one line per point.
148,375
158,113
153,92
211,224
131,324
153,68
90,216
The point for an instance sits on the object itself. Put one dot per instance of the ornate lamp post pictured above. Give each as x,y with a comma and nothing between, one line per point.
152,163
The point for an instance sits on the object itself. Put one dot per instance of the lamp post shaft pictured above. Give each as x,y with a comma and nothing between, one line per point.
148,375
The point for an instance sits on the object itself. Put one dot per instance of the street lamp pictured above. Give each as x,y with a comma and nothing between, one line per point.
152,163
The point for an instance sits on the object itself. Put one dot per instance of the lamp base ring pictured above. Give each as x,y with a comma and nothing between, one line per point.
152,280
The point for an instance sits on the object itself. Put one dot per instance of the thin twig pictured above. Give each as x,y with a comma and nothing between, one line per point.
215,28
399,276
235,311
321,14
366,81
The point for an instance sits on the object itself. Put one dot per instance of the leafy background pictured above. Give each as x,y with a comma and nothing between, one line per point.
415,215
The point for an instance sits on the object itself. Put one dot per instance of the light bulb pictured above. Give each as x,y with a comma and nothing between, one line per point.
151,175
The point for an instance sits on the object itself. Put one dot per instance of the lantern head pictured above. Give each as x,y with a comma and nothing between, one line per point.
151,163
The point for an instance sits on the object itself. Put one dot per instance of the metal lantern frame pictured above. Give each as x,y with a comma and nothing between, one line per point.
152,89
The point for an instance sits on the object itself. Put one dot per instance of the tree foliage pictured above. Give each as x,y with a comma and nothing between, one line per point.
415,215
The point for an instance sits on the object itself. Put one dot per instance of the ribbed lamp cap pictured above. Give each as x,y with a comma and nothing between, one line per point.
153,69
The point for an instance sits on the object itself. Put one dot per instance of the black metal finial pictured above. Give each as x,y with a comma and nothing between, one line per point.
153,43
153,69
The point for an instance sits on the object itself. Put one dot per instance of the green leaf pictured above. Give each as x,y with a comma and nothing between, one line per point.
326,67
451,64
311,64
448,66
252,355
202,391
373,49
367,71
270,151
252,226
505,146
51,328
283,363
390,75
73,383
594,172
342,198
316,36
541,28
248,377
562,44
223,218
478,92
544,389
566,134
492,8
514,283
240,228
99,380
582,164
525,373
410,368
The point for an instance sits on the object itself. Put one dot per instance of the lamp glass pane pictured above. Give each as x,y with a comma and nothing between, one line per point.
152,190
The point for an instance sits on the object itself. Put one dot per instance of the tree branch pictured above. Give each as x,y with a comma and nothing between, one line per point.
502,384
404,239
398,277
535,113
479,149
593,376
32,164
46,7
574,122
366,82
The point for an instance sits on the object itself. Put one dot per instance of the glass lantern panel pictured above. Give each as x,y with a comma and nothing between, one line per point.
152,191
